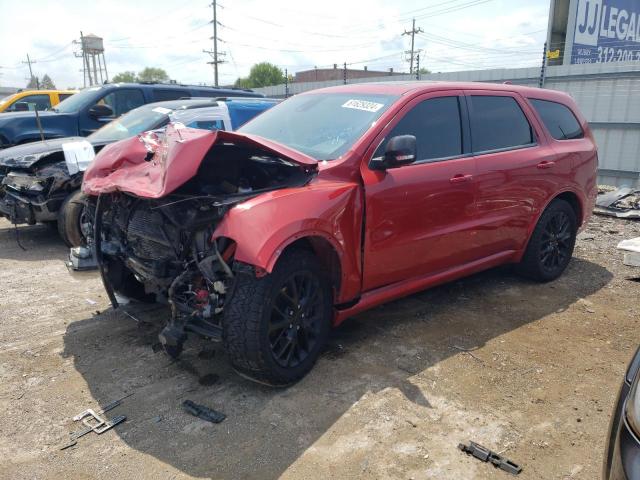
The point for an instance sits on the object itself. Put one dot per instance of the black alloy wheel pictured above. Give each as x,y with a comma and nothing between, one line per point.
275,326
551,244
556,245
296,318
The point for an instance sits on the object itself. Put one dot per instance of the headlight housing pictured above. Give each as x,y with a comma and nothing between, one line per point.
632,406
23,182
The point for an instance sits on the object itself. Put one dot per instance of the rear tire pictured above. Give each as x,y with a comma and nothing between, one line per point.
70,217
275,327
551,245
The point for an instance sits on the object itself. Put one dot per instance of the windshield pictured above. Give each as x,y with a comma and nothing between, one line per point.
75,102
321,125
132,123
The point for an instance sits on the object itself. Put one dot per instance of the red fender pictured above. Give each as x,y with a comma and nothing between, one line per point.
264,226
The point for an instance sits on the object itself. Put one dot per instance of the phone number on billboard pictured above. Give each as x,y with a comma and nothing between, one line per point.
606,54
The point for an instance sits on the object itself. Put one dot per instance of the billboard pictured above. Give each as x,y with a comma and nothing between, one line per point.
606,31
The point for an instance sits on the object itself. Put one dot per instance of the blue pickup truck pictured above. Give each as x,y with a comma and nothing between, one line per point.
91,108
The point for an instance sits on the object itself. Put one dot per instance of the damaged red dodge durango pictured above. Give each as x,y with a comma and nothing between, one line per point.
336,201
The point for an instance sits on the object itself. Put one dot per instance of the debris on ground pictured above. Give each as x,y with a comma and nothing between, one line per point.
202,412
94,422
631,248
623,202
485,455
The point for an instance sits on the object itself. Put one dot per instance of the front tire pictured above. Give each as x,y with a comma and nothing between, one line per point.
276,326
551,245
70,219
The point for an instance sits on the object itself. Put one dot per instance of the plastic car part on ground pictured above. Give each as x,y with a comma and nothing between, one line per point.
623,202
631,248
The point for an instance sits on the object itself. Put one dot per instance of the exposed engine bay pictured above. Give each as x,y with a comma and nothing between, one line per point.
162,250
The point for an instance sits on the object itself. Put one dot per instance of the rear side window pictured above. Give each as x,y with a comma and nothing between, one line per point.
559,120
161,95
498,123
436,125
123,100
64,96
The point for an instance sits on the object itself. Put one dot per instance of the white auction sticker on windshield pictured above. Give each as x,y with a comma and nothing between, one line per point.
165,111
363,105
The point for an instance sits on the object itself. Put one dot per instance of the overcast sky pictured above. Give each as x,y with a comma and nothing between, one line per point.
171,34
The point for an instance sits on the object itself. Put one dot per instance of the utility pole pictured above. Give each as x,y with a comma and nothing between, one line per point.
413,34
418,67
215,60
31,77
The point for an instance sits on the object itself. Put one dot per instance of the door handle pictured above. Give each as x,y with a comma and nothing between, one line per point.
461,178
546,164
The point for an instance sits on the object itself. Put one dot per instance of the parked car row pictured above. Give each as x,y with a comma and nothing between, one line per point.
40,181
88,110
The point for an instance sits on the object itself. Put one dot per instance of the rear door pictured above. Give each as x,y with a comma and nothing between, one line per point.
516,169
419,217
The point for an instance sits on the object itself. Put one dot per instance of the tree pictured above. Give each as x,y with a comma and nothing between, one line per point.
125,77
47,83
424,71
151,74
261,75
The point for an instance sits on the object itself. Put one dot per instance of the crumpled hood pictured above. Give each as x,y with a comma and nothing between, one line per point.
28,154
122,166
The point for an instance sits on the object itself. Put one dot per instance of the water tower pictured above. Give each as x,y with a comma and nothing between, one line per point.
94,65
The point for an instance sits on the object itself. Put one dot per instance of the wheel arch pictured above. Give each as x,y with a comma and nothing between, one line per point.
572,198
327,252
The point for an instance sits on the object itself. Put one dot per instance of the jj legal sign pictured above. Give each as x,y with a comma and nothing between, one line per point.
606,31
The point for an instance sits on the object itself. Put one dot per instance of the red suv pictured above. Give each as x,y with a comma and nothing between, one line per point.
336,201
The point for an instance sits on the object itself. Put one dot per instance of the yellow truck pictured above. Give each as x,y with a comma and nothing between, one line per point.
29,100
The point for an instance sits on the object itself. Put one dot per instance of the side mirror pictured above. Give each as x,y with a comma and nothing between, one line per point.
21,107
400,150
100,111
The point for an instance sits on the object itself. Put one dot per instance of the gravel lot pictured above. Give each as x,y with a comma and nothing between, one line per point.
527,369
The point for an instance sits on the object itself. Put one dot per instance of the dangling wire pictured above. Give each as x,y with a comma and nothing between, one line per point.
15,226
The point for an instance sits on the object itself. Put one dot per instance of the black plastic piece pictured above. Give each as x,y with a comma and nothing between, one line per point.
202,412
486,455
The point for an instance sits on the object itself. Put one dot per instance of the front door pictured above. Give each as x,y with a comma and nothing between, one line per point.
419,217
120,101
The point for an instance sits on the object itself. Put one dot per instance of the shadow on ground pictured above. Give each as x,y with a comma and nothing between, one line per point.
266,430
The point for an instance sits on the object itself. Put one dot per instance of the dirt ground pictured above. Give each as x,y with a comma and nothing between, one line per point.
526,369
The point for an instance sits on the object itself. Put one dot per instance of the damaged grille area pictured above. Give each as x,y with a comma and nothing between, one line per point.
147,236
163,249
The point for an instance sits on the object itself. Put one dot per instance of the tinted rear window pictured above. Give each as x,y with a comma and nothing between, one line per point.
559,120
498,123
